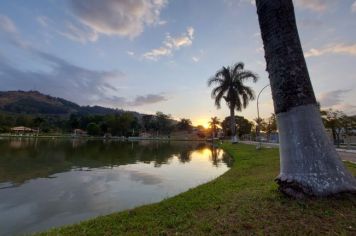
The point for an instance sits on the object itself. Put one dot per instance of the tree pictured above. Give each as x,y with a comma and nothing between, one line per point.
164,123
93,129
349,127
244,125
230,86
37,122
213,123
201,131
271,126
73,121
337,122
184,124
310,164
125,123
261,125
148,123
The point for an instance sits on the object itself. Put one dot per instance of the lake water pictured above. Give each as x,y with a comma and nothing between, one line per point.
49,183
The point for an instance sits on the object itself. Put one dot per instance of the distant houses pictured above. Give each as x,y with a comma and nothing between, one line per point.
23,130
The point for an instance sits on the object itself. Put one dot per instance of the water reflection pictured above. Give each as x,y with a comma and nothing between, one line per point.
47,183
21,160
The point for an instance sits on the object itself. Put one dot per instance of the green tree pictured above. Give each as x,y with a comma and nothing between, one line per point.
271,126
244,125
310,164
164,123
38,121
73,121
125,123
93,129
333,120
230,85
184,124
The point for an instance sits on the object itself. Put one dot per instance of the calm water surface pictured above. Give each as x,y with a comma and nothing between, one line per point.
48,183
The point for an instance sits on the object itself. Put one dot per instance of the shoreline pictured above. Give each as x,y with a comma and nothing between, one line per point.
101,138
244,200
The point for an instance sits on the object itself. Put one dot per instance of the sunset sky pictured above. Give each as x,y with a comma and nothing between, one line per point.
157,55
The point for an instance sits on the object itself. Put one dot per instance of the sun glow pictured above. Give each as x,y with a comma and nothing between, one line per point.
201,121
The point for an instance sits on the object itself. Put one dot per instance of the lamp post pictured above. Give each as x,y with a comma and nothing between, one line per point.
258,119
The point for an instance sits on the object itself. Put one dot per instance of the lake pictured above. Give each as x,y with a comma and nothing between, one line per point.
50,183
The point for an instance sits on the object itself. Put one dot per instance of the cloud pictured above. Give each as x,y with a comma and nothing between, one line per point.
147,99
7,25
332,98
195,59
145,178
156,53
118,17
310,23
332,49
335,100
234,3
314,5
43,21
353,7
130,53
59,78
9,32
162,22
348,109
63,79
78,34
170,44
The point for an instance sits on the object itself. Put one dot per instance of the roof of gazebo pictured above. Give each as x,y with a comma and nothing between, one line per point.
21,128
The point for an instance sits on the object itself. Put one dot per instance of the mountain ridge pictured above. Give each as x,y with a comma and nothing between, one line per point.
36,103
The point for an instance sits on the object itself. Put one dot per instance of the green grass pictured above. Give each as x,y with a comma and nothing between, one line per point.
244,200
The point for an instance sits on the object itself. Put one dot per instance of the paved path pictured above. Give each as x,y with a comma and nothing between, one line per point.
346,155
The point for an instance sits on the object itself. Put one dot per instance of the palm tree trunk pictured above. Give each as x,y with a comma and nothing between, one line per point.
310,164
233,125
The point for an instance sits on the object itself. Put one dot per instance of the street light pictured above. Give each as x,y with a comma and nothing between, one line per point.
258,119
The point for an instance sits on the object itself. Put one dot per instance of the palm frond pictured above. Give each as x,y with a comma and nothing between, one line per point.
215,80
238,66
218,99
245,99
230,86
246,74
249,91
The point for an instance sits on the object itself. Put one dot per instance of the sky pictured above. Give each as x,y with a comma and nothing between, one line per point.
157,55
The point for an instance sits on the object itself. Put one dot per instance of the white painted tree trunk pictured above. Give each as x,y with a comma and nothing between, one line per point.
233,125
310,164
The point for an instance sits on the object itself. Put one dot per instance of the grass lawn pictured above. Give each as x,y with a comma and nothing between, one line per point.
244,200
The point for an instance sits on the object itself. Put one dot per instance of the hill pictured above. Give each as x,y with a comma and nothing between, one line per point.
36,103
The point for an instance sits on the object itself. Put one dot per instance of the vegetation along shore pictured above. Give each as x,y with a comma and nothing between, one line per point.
244,200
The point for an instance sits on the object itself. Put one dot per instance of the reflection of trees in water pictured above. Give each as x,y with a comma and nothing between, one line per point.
185,156
26,162
217,156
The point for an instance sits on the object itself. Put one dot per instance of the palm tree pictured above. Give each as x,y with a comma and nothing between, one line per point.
310,164
230,86
213,123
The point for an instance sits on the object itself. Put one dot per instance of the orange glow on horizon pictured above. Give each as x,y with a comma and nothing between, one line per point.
201,121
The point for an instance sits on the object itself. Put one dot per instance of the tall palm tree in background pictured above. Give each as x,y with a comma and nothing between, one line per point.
229,83
310,164
213,123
